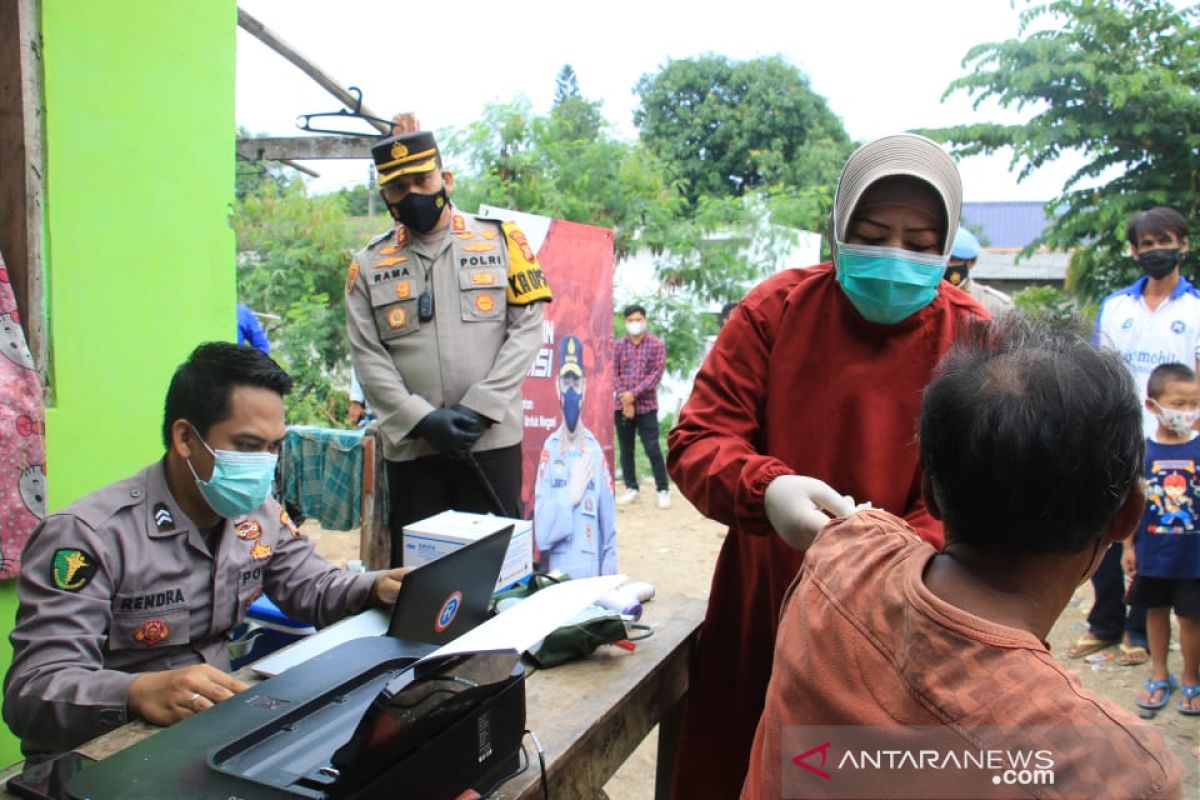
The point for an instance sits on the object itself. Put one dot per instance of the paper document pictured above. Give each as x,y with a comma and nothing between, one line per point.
519,628
533,619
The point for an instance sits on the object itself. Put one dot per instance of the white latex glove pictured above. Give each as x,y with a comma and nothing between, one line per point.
798,507
581,474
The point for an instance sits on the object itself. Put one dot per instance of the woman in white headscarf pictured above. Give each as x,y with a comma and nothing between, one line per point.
809,399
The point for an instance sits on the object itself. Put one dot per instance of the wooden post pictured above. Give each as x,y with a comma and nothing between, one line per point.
374,538
22,181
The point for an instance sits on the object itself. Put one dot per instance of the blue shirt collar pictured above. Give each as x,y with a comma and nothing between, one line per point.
1183,287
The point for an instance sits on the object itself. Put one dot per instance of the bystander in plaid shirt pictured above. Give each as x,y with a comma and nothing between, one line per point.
639,368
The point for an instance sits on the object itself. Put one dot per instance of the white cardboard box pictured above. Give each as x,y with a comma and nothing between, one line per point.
430,539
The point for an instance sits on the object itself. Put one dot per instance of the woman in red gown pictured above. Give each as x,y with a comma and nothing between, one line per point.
807,405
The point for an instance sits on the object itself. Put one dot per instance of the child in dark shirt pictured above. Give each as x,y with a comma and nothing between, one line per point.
1163,556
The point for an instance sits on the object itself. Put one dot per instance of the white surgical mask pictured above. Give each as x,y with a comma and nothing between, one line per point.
635,328
1177,422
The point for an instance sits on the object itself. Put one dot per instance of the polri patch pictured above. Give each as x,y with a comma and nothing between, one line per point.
163,520
260,552
151,632
72,569
248,531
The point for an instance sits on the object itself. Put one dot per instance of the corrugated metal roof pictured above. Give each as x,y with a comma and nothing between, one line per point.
1007,224
1041,266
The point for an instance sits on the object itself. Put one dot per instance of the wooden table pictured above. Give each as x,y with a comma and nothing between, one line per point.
589,715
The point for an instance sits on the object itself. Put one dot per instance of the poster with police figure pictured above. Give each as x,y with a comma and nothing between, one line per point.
574,517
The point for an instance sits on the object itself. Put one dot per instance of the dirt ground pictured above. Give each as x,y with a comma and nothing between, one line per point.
675,550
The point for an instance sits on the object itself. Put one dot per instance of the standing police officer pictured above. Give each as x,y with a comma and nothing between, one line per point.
444,314
574,509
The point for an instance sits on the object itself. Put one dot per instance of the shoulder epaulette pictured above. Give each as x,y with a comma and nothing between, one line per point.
381,237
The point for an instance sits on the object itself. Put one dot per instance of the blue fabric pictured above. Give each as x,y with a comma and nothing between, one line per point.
322,474
250,331
1168,540
1110,617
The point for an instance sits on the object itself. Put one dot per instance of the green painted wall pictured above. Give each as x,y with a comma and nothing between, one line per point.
140,136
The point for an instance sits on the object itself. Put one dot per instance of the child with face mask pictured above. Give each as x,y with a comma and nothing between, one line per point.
1163,557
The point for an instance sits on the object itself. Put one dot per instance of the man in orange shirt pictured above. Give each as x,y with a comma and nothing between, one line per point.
901,671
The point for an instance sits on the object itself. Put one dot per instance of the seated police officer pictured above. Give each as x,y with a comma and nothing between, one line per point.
127,597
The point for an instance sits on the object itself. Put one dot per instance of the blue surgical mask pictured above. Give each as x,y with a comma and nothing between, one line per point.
886,284
572,401
240,482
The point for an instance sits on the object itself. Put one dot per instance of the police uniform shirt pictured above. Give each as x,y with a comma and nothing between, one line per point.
1145,338
578,540
995,301
122,582
487,290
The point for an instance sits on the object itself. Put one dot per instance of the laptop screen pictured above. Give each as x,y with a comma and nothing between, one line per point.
444,599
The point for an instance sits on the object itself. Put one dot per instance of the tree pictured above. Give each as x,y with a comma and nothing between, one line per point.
293,252
1115,80
727,127
564,165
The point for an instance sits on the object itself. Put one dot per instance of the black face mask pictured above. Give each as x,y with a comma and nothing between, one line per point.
419,211
956,274
1159,263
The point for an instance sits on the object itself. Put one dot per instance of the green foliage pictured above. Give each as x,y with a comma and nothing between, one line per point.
1047,304
356,200
564,165
726,127
1115,80
293,252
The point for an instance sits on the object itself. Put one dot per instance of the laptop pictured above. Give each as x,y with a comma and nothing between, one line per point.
442,600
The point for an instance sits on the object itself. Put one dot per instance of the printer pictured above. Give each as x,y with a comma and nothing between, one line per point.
367,719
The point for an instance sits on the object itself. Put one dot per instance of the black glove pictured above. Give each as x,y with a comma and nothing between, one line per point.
451,432
483,422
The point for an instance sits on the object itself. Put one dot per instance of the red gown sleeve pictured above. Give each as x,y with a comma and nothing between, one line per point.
713,451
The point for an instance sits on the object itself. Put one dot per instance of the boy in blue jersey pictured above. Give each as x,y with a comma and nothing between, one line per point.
1163,557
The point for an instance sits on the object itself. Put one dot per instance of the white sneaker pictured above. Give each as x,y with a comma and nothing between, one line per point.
630,496
664,499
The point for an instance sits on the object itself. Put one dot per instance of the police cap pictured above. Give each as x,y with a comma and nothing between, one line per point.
406,154
570,356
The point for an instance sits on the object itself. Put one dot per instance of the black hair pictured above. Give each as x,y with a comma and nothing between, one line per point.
726,310
1160,220
1031,437
201,386
1168,373
634,309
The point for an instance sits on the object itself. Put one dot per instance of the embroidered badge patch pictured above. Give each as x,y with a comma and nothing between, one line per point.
458,223
151,632
248,530
351,276
479,247
401,236
483,279
404,289
485,303
260,552
163,520
72,569
397,318
390,262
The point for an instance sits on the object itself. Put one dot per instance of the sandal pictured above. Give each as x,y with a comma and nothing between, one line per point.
1088,644
1132,655
1190,692
1167,687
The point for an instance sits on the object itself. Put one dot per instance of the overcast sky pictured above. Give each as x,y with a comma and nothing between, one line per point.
881,65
